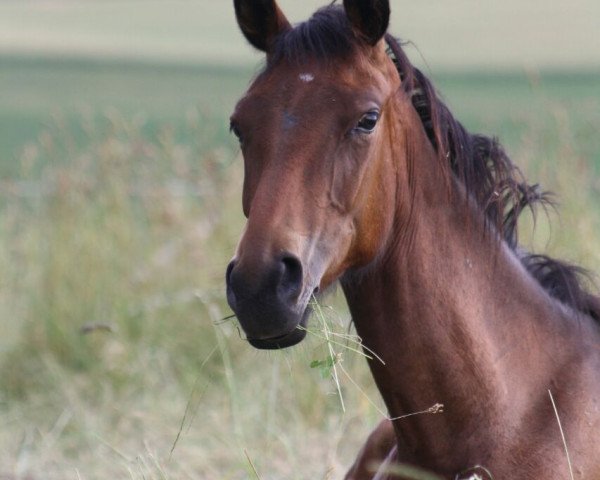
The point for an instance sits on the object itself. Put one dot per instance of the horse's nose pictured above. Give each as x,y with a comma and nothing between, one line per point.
280,280
264,294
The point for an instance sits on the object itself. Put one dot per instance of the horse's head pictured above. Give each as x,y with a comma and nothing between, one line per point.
315,129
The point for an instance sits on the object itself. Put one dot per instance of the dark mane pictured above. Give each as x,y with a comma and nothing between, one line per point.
477,161
494,182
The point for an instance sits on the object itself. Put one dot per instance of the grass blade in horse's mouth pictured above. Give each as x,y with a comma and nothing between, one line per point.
286,340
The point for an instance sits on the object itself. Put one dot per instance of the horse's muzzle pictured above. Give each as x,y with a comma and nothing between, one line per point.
267,300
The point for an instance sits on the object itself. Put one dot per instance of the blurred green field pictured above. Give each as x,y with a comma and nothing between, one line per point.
38,91
120,208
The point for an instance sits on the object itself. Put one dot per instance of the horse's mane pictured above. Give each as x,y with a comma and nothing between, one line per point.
494,182
478,162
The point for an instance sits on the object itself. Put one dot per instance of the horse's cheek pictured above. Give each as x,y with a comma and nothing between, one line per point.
372,219
358,190
370,233
346,177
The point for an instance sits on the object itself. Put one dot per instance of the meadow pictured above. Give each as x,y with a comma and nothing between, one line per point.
119,209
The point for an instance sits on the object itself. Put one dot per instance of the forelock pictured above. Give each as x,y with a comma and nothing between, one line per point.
326,35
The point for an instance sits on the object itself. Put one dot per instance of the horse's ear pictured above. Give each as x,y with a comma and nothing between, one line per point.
260,21
369,18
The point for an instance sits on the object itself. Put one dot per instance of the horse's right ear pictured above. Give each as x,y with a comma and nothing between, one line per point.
369,18
260,21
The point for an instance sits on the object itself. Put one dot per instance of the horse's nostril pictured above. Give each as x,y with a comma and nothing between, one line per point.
291,277
228,272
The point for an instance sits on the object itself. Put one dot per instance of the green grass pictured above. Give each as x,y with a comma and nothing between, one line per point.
41,92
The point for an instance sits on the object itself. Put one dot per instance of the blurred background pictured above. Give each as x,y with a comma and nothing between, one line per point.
120,207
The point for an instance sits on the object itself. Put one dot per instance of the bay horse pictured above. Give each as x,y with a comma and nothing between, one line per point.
356,172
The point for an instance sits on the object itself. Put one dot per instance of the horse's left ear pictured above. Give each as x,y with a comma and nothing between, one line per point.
260,21
369,18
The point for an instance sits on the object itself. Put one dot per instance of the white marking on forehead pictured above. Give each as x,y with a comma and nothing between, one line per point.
306,77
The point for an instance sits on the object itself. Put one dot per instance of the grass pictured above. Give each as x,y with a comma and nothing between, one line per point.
562,434
41,93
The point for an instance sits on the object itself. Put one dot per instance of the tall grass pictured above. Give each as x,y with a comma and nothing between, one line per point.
105,235
560,155
115,360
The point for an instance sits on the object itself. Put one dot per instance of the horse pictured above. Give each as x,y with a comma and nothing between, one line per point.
356,173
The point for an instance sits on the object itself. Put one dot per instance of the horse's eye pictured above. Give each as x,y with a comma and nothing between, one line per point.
233,128
368,121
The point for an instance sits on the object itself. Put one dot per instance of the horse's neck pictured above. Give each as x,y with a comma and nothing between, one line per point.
453,317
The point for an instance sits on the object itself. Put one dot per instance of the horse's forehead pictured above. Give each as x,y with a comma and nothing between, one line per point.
299,80
311,82
343,74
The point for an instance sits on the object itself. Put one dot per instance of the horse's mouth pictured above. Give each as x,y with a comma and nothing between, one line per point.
283,341
276,343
